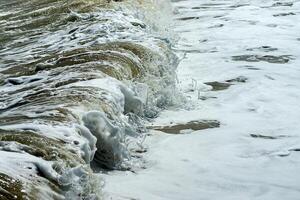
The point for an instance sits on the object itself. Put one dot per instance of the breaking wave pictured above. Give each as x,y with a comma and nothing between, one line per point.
77,80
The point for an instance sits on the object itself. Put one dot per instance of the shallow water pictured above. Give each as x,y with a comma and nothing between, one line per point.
77,80
79,69
187,127
251,155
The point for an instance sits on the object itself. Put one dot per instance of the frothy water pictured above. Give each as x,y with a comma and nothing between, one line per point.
241,68
77,80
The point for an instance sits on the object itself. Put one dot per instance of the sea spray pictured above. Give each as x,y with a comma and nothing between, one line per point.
77,79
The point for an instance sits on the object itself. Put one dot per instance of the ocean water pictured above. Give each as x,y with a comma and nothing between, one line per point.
77,81
149,99
239,66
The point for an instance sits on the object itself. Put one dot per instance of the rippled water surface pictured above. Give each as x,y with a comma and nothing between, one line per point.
77,80
240,66
81,81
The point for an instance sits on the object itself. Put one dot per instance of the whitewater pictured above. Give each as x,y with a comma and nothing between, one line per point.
78,81
239,66
149,99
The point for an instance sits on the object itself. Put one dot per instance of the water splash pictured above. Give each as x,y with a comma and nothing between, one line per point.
77,78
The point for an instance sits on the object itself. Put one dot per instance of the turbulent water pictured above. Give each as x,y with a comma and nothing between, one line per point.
241,68
81,81
77,80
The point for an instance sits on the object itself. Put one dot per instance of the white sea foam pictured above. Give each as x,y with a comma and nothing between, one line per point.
84,76
253,155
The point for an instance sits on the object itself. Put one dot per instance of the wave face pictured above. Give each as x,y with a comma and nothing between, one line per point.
77,80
